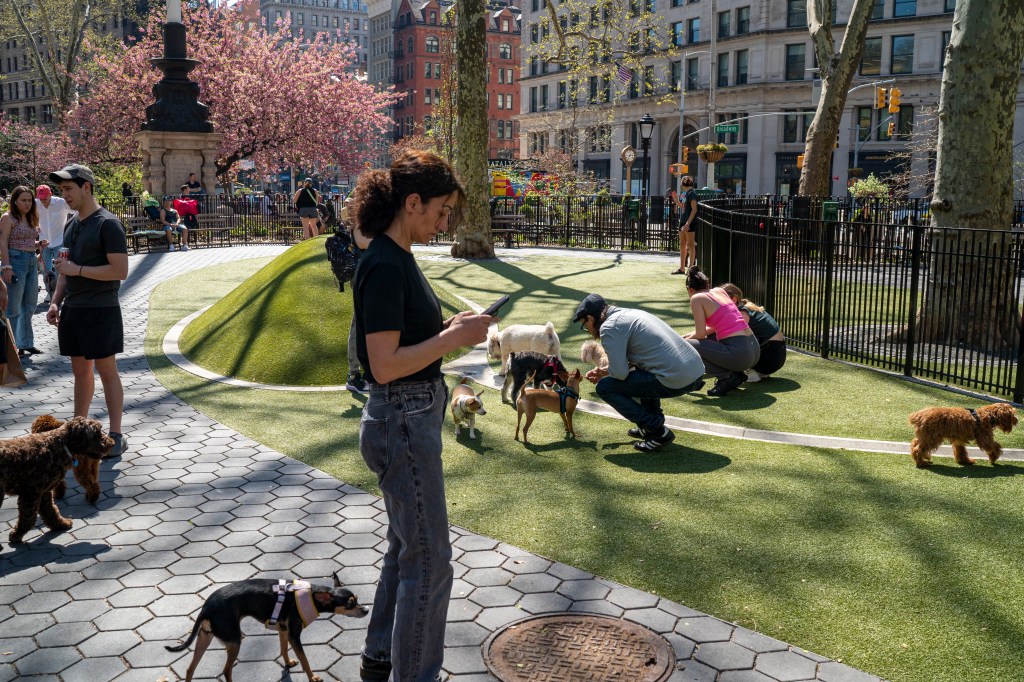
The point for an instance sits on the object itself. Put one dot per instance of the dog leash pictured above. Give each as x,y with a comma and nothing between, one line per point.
74,460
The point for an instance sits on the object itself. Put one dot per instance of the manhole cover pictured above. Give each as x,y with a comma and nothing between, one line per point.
578,647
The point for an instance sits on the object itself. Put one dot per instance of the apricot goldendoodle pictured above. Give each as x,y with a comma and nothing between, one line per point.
32,465
959,426
86,469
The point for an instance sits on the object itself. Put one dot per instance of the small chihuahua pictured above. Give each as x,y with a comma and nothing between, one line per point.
561,400
466,405
286,607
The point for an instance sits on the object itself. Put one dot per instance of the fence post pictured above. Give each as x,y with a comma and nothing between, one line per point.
771,261
826,313
915,272
568,208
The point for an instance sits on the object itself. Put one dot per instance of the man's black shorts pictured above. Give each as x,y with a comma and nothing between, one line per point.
92,333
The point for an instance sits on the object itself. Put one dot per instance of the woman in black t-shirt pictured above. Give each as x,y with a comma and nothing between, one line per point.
401,338
687,230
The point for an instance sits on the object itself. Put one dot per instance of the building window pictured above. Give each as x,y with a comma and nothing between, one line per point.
47,112
693,30
677,76
675,35
741,67
543,98
733,138
871,62
428,70
864,115
509,104
796,13
302,19
950,5
877,12
724,21
504,26
437,70
563,99
314,20
902,54
30,114
426,95
692,73
723,70
677,3
409,45
504,51
794,127
433,45
796,59
334,21
742,21
533,100
905,122
904,8
508,76
501,129
946,36
433,17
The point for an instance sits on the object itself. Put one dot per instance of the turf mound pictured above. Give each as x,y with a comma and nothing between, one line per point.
287,324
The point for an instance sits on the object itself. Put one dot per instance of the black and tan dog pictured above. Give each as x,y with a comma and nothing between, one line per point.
544,368
32,465
286,607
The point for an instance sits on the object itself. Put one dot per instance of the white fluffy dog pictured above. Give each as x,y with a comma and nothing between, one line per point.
593,353
520,337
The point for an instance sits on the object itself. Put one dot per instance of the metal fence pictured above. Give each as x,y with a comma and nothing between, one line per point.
936,304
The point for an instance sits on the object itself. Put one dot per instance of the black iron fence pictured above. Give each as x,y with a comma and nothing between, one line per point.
937,304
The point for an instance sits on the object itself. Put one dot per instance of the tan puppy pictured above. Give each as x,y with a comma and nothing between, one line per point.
593,352
466,405
562,401
960,426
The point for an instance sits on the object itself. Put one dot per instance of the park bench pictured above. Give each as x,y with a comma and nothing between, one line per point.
143,231
507,226
292,227
212,227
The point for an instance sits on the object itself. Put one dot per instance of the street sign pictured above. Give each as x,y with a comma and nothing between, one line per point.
727,128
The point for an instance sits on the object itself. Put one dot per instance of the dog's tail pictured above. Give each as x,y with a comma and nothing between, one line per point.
463,380
195,631
916,418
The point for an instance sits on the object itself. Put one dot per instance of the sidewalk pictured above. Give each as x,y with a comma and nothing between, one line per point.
194,505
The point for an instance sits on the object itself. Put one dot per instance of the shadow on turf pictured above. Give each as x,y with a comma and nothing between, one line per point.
980,470
674,459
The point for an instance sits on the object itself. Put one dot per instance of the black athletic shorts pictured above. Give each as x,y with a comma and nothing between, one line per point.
92,333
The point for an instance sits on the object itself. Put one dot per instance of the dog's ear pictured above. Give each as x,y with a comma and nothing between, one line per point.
337,583
480,393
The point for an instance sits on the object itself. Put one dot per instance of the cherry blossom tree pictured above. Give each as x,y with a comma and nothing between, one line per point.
279,98
29,152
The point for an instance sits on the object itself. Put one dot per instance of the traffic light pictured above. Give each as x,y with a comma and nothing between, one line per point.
800,161
686,154
892,128
894,100
880,98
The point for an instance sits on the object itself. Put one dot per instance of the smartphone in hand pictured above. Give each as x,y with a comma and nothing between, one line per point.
496,306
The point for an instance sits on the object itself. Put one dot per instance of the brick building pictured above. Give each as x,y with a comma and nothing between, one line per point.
422,52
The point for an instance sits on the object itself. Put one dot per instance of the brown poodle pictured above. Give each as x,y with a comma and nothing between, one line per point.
86,469
934,425
32,465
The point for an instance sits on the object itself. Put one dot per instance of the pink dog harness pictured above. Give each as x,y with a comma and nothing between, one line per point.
303,601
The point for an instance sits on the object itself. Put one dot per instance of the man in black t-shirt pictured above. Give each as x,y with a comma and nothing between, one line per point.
85,308
195,188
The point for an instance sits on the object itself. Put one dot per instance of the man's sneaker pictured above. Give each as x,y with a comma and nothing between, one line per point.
752,376
371,670
356,383
171,248
120,445
184,247
655,442
636,432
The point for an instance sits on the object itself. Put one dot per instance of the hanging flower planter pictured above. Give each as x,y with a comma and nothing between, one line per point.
711,153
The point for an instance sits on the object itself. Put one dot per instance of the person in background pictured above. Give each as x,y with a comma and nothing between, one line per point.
401,338
355,383
647,361
19,239
672,208
85,308
188,208
171,222
195,188
54,214
305,200
720,334
687,230
766,330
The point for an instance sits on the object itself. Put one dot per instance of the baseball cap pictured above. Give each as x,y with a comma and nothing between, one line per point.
43,192
73,171
593,304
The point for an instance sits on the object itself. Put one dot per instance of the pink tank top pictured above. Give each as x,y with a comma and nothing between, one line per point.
726,320
23,237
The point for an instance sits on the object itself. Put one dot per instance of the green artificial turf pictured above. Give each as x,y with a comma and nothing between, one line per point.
908,574
287,324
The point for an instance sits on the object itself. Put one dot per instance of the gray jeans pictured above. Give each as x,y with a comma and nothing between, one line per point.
400,440
722,358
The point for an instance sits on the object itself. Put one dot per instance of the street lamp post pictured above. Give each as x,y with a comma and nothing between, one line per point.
646,131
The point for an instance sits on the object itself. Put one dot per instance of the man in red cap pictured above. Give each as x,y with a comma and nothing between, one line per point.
54,214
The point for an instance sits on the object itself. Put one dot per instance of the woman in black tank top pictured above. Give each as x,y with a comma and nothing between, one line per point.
305,200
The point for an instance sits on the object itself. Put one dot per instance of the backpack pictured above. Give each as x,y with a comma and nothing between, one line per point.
343,255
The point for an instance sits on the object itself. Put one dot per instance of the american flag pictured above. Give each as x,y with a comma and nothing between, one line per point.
624,74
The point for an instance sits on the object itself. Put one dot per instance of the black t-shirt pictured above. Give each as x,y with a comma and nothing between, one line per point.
687,206
391,294
196,188
89,240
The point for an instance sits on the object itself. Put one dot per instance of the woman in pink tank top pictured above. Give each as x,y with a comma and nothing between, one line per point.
721,336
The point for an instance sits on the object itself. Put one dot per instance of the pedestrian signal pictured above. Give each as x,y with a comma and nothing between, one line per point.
880,98
894,100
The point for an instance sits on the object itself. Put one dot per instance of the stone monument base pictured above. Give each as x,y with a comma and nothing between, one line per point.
168,158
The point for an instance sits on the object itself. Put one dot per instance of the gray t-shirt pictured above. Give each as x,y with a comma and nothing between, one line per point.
636,337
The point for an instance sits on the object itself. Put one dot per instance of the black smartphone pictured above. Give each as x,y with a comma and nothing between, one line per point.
496,306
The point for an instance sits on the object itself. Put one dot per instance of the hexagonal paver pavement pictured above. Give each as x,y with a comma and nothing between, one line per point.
194,505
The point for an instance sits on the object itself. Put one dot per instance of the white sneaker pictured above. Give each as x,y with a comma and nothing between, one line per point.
184,247
171,248
752,376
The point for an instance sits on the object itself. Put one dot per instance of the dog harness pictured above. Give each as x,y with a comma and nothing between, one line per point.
552,363
977,419
303,601
564,393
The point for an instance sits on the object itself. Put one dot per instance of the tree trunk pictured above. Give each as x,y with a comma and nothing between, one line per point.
836,72
473,238
970,299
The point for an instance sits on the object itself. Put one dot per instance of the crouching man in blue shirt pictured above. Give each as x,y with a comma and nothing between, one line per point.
647,361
